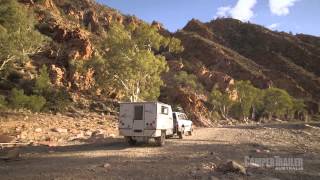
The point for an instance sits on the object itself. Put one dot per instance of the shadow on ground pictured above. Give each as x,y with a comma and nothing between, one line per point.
178,159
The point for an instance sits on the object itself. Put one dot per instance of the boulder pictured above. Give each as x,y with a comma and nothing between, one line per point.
232,166
106,165
59,130
88,133
38,130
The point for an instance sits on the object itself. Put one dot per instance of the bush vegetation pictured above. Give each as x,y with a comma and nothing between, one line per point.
18,37
221,102
127,61
186,80
44,97
253,103
57,99
18,99
3,102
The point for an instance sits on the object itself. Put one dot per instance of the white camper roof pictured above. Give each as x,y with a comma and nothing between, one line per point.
144,102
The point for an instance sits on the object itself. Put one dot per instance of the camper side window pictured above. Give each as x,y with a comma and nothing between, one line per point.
138,113
164,110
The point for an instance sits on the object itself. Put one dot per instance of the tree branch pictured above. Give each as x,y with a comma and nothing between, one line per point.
6,61
122,82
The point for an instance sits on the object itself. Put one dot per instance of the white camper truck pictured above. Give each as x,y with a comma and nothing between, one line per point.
141,121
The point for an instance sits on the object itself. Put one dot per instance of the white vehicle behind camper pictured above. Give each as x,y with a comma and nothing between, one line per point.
141,121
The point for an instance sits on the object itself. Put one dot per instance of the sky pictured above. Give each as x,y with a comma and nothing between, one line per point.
296,16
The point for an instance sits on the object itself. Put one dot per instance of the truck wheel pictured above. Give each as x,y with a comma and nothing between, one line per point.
190,132
181,134
130,141
160,141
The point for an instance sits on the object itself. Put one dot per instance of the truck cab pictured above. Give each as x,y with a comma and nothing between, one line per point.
182,124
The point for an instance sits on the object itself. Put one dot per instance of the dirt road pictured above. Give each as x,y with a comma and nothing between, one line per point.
195,157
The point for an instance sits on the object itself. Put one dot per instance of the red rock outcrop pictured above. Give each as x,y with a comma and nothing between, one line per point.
73,12
91,19
57,75
194,105
84,81
215,78
157,24
132,20
76,41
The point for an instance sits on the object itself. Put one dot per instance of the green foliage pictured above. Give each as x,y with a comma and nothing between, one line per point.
43,81
146,37
255,103
298,106
316,117
19,100
3,102
184,79
57,99
128,62
248,97
277,102
174,45
221,102
18,37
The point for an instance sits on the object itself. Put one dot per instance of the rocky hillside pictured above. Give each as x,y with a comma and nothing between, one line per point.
215,55
232,49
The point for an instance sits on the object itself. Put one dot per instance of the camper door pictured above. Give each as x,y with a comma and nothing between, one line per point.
138,120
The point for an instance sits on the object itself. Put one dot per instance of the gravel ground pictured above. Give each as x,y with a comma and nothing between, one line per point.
194,157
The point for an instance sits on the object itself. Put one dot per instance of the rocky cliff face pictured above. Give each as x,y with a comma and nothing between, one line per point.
217,53
73,26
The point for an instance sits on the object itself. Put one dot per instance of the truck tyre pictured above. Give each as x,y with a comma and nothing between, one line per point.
130,141
160,141
181,134
190,132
